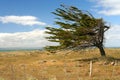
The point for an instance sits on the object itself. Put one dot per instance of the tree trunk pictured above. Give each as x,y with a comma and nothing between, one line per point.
102,51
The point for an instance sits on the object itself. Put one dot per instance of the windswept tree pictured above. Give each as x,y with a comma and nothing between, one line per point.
78,29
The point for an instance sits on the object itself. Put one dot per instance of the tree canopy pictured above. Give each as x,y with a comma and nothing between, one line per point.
77,29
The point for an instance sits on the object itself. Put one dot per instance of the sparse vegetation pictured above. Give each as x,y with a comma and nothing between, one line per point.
62,65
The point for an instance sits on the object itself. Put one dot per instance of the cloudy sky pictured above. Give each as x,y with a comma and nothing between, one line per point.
23,22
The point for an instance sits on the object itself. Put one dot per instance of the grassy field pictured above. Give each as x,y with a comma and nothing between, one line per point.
62,65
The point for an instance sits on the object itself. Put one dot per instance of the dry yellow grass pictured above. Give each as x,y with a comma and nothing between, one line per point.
63,65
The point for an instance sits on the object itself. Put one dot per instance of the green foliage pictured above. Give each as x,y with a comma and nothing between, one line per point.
78,29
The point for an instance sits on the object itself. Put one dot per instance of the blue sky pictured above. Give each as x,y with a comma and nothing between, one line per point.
22,22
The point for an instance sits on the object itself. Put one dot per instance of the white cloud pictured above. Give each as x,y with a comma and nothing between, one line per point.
35,38
109,7
23,20
113,36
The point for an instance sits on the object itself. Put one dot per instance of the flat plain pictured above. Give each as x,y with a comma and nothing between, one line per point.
61,65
